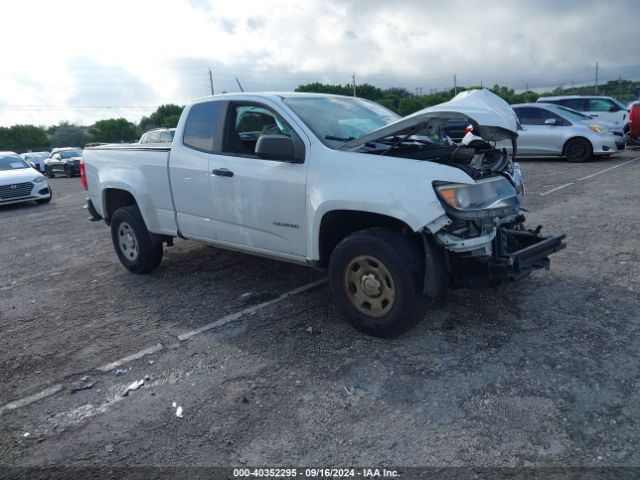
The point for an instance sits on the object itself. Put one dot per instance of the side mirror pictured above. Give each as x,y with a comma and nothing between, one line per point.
275,147
551,121
33,165
614,108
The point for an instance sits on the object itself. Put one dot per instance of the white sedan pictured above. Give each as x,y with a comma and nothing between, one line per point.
21,183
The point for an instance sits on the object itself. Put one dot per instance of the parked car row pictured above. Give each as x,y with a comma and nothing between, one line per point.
20,183
577,128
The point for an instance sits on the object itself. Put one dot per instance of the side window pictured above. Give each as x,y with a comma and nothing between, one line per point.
599,105
247,123
201,127
165,136
575,103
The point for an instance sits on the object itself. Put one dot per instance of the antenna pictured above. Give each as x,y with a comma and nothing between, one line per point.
239,84
211,81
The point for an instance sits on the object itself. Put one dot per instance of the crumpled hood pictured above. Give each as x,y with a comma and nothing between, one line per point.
492,118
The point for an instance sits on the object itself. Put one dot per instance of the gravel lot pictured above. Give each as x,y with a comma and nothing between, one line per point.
542,372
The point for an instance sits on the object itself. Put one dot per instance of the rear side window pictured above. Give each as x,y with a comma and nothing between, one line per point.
202,128
599,105
575,103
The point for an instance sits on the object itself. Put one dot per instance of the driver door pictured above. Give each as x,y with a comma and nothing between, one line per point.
258,203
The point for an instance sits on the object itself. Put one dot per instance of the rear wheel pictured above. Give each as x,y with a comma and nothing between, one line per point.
49,172
136,247
578,150
375,277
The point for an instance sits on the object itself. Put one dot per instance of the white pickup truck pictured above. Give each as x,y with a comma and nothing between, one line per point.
389,206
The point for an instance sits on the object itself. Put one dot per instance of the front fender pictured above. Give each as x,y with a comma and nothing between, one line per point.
396,187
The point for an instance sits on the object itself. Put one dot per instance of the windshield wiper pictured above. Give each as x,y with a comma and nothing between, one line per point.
339,139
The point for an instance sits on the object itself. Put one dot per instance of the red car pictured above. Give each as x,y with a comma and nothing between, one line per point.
634,121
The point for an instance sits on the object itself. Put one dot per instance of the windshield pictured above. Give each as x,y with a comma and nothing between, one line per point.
572,114
12,162
29,156
336,120
71,153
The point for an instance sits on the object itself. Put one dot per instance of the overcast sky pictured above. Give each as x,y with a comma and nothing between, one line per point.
86,60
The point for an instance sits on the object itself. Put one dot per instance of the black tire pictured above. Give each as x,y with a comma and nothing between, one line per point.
49,172
578,150
141,252
404,265
67,171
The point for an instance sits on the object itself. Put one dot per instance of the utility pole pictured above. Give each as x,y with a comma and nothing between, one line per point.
596,78
239,84
353,77
620,87
455,85
211,80
526,87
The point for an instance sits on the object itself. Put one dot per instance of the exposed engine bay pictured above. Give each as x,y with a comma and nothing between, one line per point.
477,157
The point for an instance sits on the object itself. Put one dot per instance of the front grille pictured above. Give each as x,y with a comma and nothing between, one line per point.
15,190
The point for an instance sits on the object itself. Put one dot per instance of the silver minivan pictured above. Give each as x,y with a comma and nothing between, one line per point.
551,130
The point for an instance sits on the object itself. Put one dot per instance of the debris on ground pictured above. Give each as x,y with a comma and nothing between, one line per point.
179,410
26,434
85,383
133,386
349,390
120,372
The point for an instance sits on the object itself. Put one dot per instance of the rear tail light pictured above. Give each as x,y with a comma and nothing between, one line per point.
468,129
83,176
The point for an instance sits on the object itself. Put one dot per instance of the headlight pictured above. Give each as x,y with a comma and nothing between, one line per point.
599,129
493,196
38,180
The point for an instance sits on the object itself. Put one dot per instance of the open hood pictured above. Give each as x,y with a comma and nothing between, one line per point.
492,118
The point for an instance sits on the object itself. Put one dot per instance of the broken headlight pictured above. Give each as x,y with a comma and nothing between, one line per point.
490,197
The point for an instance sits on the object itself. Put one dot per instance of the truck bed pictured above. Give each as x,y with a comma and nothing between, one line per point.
139,168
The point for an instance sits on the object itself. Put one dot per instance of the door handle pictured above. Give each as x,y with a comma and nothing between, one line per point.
222,172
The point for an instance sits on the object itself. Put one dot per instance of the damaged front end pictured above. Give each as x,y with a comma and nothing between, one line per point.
483,234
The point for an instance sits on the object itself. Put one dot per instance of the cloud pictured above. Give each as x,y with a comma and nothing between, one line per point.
144,53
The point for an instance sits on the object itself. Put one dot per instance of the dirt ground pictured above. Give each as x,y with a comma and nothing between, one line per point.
543,372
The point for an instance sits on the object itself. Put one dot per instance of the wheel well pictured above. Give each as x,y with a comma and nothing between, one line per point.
115,199
564,147
338,224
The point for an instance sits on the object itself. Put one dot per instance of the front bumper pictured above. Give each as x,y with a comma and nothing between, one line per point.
513,253
24,192
518,252
607,146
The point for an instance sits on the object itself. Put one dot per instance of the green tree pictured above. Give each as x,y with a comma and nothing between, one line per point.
68,135
23,137
165,116
113,130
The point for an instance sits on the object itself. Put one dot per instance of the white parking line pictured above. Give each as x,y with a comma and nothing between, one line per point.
23,402
608,169
130,358
247,311
156,348
555,189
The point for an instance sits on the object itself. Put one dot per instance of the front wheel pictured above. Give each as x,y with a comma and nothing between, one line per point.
136,247
49,172
375,277
578,150
67,171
